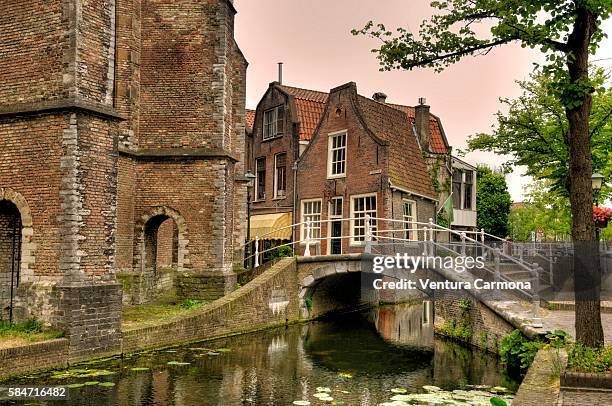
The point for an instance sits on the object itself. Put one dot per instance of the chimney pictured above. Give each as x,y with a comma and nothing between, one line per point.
421,121
280,73
380,97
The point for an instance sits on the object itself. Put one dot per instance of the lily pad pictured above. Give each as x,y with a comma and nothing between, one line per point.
213,353
106,384
345,375
223,350
431,388
75,385
178,363
399,390
139,369
499,389
301,402
91,383
401,398
323,389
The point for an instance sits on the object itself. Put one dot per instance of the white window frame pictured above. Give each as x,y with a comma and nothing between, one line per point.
331,217
276,195
303,220
274,124
409,235
330,150
354,242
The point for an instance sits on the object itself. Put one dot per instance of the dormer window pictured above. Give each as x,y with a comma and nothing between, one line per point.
274,122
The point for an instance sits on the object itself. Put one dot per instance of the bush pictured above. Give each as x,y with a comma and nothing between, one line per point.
518,351
282,252
587,359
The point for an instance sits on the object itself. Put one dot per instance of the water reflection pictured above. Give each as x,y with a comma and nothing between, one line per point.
360,358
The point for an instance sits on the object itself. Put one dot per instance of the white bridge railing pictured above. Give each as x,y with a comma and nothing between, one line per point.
388,236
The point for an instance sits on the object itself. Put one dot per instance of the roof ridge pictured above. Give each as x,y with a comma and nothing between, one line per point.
301,93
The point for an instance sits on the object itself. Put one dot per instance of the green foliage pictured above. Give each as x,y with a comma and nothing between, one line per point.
542,210
465,305
534,130
461,331
308,302
29,330
586,359
189,304
28,326
282,252
517,351
473,27
493,202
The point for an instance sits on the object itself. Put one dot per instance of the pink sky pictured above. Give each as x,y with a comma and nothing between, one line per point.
313,40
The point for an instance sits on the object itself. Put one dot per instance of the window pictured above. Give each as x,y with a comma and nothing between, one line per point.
467,190
311,211
335,207
336,166
457,177
360,207
260,181
409,219
274,122
280,175
463,189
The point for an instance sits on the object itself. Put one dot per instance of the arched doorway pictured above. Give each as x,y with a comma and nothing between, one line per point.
161,243
10,255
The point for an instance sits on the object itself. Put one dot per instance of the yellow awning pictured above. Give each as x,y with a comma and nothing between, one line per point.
274,226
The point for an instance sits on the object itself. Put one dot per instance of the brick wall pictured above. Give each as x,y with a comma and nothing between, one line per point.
269,148
33,357
248,308
32,51
487,327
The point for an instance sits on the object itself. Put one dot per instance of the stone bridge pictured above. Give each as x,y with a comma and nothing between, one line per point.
341,283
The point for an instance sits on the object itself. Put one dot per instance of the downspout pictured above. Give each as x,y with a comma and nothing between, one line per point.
295,194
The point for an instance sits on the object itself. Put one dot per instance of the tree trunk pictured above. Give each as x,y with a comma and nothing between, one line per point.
587,274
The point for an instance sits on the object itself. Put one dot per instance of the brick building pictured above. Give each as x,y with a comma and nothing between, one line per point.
122,148
453,179
282,126
363,159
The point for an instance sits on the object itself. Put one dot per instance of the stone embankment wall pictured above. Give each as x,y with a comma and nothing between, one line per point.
269,300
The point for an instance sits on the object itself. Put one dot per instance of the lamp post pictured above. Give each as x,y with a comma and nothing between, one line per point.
251,178
596,183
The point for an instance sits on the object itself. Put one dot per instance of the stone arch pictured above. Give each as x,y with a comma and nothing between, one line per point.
315,277
27,257
16,247
146,229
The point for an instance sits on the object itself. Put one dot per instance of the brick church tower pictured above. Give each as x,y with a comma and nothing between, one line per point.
121,149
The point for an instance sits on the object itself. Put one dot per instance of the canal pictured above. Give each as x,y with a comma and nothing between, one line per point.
388,355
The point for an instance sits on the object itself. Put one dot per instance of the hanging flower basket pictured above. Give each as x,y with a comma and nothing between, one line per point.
601,216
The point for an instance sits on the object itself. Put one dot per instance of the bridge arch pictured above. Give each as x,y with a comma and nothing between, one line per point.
336,285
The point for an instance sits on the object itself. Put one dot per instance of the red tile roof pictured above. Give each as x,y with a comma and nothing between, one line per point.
437,143
407,168
310,105
250,120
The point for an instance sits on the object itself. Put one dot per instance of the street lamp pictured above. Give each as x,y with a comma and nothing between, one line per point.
250,179
597,180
